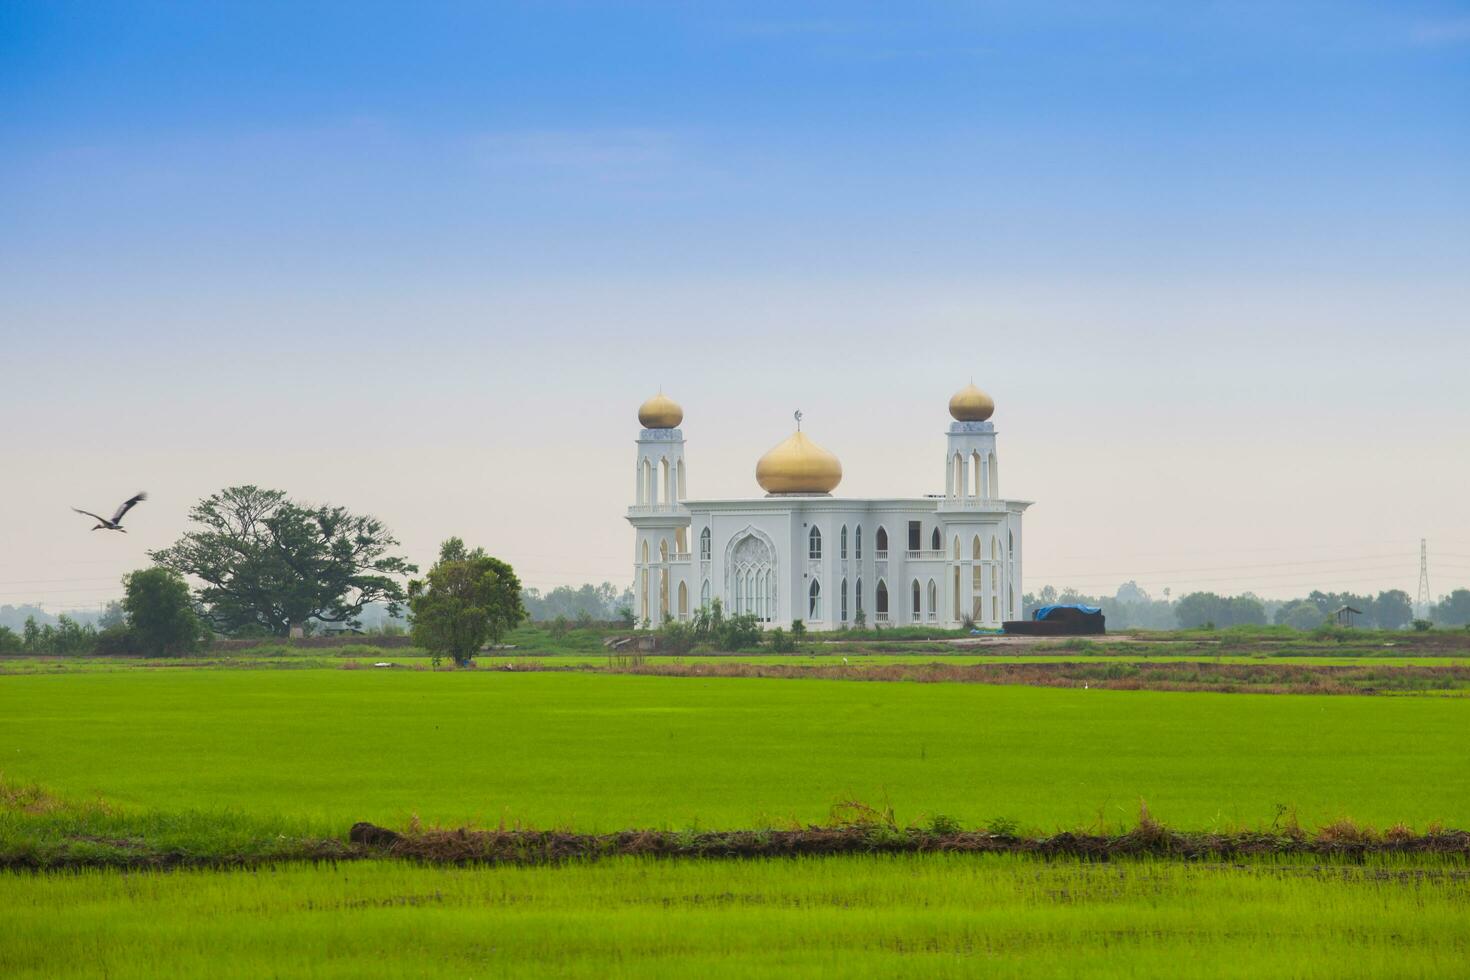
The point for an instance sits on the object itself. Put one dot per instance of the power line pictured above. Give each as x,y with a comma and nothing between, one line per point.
1279,564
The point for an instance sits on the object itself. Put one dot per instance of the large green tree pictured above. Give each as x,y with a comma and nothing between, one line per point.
467,599
270,564
1393,610
1453,609
160,612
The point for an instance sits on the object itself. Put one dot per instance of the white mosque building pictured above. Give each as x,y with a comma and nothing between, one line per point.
801,553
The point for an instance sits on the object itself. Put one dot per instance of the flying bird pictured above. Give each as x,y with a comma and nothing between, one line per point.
115,524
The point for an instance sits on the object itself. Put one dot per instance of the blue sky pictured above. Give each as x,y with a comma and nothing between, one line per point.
462,236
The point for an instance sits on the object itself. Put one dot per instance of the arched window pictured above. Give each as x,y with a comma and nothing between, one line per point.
704,544
683,601
880,543
842,545
704,595
857,544
956,547
750,568
936,543
814,544
880,601
844,600
680,479
933,600
918,594
663,549
857,595
979,489
814,601
975,551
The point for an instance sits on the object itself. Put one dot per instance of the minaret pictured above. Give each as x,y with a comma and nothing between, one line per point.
970,471
658,516
981,530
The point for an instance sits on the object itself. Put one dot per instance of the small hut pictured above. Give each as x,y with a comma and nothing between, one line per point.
1345,615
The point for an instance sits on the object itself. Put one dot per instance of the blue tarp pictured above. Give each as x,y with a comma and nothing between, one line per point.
1046,611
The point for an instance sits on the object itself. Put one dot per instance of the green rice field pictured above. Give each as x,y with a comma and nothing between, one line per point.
233,760
926,916
597,752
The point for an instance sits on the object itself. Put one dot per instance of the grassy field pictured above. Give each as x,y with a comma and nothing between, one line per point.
232,758
931,915
601,752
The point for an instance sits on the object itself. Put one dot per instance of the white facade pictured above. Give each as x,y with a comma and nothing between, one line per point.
931,560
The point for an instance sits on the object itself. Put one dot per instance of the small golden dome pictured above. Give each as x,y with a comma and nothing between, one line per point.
798,465
660,412
970,404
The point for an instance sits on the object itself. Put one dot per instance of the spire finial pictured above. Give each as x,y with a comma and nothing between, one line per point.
798,420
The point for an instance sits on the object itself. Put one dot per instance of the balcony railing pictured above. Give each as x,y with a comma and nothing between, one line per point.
679,556
925,555
972,503
880,555
662,507
880,617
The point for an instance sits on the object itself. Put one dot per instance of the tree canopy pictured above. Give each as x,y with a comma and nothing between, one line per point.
160,614
269,564
467,599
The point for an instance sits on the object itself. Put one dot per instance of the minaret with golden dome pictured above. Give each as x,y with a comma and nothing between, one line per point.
798,465
658,513
970,470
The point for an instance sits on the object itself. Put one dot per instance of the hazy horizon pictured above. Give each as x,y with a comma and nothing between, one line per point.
1211,265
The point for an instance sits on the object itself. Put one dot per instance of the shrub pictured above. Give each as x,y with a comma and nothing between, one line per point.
1423,625
160,612
115,641
943,825
1003,827
780,641
676,637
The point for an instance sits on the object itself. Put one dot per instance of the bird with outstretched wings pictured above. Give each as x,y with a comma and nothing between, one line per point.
115,522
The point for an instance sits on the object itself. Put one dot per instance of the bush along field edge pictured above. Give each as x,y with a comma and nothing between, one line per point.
40,832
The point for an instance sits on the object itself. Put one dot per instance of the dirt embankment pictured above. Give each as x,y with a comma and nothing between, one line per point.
1338,842
1228,678
548,847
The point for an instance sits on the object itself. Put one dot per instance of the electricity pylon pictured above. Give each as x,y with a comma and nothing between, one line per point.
1422,605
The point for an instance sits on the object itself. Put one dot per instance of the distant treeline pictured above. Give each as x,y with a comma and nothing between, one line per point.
602,603
1133,608
1130,608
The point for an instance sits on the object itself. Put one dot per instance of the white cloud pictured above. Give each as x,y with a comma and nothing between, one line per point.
1442,32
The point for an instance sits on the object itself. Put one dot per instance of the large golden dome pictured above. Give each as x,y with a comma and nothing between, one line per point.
970,404
798,465
660,412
